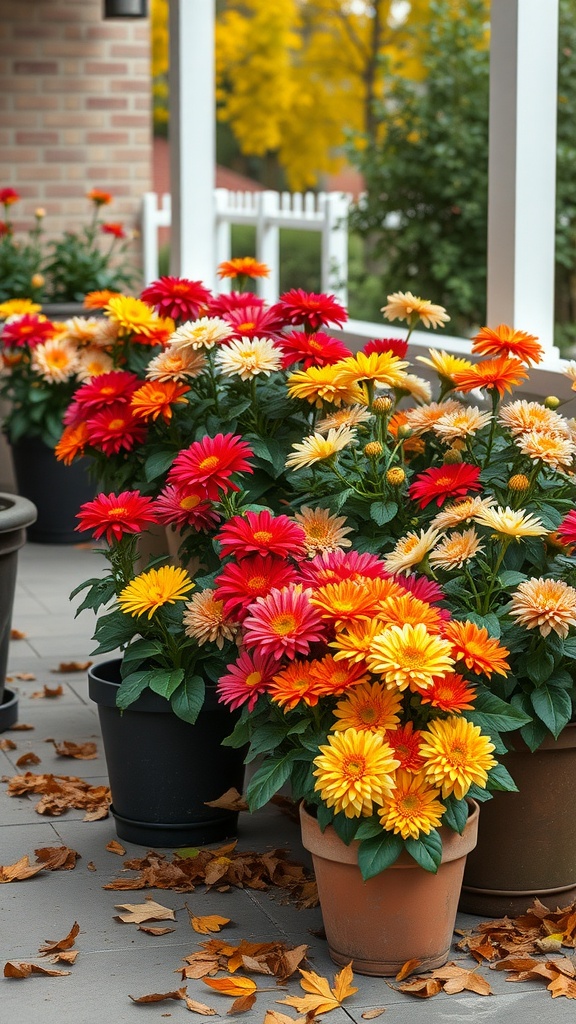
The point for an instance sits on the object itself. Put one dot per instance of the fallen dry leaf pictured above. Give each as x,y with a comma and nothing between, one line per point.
461,979
372,1014
242,1004
20,870
201,1008
114,847
24,970
231,986
21,727
48,691
67,956
25,677
60,792
17,634
231,800
6,744
82,751
159,997
150,930
208,923
275,1017
59,945
422,987
408,968
321,996
57,858
91,866
72,666
137,913
29,758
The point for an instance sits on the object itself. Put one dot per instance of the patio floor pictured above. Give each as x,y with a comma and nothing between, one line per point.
116,960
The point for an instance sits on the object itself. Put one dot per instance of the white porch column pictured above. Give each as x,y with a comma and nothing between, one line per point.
192,139
522,166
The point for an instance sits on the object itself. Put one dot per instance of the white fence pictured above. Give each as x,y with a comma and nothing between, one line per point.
268,212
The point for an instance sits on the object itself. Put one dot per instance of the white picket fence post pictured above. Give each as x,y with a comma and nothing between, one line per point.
268,212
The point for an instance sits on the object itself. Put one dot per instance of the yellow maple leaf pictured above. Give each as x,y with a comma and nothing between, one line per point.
322,998
343,983
231,986
208,923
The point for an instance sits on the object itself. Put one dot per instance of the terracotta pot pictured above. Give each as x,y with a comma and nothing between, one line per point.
527,840
403,913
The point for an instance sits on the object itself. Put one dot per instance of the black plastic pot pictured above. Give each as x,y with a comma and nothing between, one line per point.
162,770
16,514
56,490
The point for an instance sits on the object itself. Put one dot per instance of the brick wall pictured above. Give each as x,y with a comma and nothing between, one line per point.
75,111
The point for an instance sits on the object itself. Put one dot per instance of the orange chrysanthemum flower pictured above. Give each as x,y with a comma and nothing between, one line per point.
405,743
335,677
450,693
99,299
293,685
479,652
397,611
505,341
345,602
500,374
72,443
156,398
243,266
356,643
412,808
370,706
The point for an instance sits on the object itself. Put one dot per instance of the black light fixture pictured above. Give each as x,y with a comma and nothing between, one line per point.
125,8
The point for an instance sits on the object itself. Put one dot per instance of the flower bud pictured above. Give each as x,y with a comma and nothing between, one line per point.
552,402
382,405
373,449
452,456
518,482
404,431
39,212
395,476
37,280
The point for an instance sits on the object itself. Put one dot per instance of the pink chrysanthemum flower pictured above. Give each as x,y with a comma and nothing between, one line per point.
254,322
210,463
314,311
317,349
423,588
240,583
567,528
333,566
115,515
177,297
181,507
283,623
224,303
262,533
246,679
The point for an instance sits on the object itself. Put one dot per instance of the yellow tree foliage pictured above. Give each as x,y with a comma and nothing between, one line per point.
159,69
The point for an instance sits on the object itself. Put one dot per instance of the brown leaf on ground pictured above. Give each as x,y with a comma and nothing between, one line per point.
208,923
6,744
159,997
231,800
421,986
270,958
275,1017
21,727
20,870
150,930
242,1004
372,1014
29,758
196,1007
137,913
91,866
60,792
25,677
82,751
48,691
72,666
24,970
59,945
17,634
68,956
115,847
57,858
408,968
231,986
462,979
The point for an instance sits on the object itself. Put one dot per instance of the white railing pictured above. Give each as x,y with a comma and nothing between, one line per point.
268,212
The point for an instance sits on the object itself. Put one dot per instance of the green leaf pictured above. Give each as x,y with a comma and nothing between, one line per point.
489,622
113,631
539,665
345,828
239,736
553,706
511,578
165,681
369,828
158,463
137,652
266,738
499,778
456,814
269,778
492,713
269,450
383,512
131,687
377,854
188,699
426,851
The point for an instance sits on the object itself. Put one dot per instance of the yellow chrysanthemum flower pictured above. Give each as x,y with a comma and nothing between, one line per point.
316,447
456,754
412,809
150,590
409,656
322,384
18,307
381,368
354,771
370,706
132,315
445,364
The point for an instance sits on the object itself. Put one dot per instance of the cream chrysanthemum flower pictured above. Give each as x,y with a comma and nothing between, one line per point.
511,522
466,422
354,772
412,808
462,511
248,357
455,550
81,329
323,532
178,364
570,372
545,605
409,656
425,417
55,360
106,334
347,417
206,622
92,362
406,306
521,416
457,755
551,449
316,447
417,387
444,363
410,550
203,333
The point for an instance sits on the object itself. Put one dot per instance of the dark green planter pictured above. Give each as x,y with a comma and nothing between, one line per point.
56,490
16,514
162,770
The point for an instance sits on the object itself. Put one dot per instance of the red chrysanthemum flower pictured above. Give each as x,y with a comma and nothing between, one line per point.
210,463
180,507
441,482
451,693
312,310
114,515
253,322
422,588
226,302
239,584
334,566
283,623
262,533
405,743
9,196
114,429
96,394
27,330
397,346
177,297
567,528
156,398
72,443
113,228
317,349
246,679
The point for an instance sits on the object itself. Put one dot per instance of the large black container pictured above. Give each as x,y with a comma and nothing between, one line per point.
16,515
57,490
163,770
